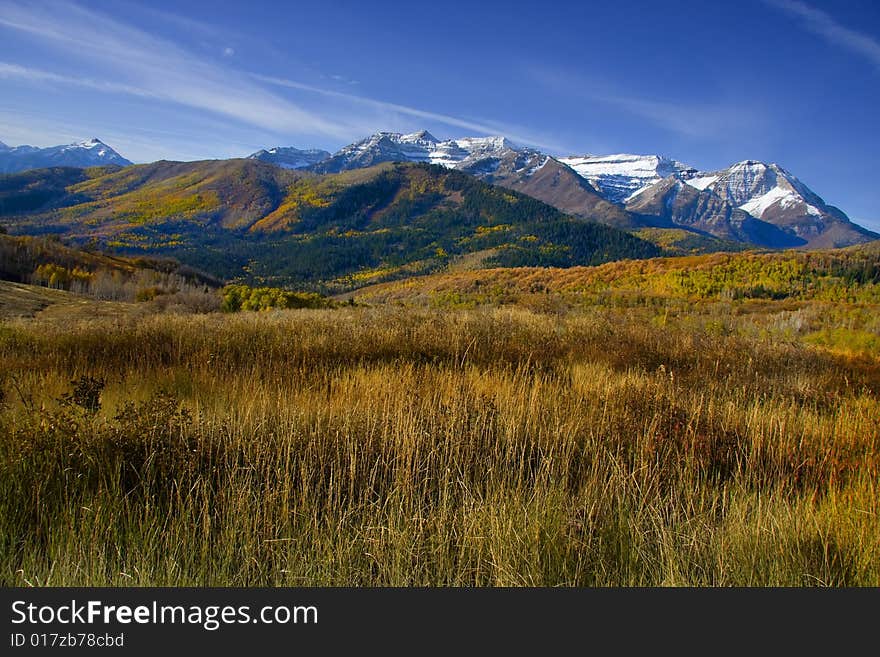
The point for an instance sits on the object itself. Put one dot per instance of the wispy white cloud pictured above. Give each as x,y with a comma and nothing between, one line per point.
148,65
47,127
698,120
342,78
125,59
823,24
692,119
183,24
10,71
514,133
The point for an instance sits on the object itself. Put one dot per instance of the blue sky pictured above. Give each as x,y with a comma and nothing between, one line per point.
708,83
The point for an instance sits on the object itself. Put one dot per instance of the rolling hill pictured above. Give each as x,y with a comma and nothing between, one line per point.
849,275
254,222
21,256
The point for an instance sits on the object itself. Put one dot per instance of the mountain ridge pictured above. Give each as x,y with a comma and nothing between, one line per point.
782,211
249,220
750,202
289,157
87,153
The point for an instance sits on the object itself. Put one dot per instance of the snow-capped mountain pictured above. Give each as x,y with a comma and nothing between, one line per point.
765,192
89,153
619,177
291,158
547,179
672,203
421,146
776,196
496,160
378,148
750,201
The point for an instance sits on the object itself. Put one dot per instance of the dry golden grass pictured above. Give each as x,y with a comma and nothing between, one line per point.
18,300
406,447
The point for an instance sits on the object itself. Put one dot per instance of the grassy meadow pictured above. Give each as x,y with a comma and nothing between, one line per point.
726,442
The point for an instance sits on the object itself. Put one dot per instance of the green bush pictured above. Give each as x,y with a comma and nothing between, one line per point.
244,297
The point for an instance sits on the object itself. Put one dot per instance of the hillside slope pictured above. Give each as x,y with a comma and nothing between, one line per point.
851,274
19,300
21,256
255,222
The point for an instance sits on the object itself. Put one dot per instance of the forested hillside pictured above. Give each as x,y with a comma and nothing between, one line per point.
249,221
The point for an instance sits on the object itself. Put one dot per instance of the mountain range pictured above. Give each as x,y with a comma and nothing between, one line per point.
288,157
248,220
92,152
393,205
750,202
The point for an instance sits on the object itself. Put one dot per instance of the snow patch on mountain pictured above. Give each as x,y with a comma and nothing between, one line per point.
701,182
289,157
476,154
785,198
621,176
95,145
757,187
745,181
532,171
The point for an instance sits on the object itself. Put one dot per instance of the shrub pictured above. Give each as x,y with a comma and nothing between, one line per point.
86,393
244,297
